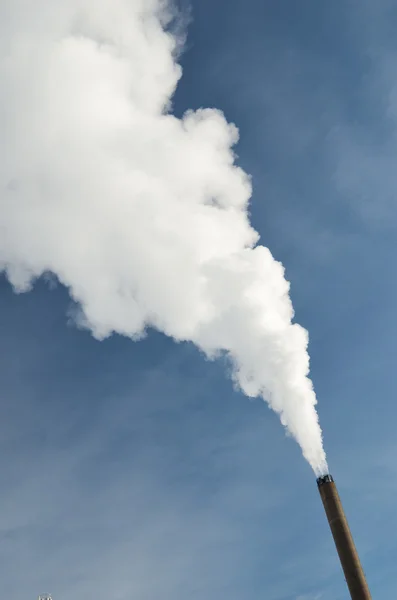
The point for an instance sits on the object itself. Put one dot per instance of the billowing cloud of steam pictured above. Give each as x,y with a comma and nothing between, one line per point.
141,215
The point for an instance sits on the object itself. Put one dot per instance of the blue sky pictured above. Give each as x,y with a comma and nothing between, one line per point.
135,470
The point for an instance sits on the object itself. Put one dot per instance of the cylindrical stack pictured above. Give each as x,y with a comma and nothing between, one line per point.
348,556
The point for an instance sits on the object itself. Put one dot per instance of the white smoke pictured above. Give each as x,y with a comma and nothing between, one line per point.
141,215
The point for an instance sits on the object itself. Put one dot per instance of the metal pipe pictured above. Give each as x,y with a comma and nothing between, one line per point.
343,539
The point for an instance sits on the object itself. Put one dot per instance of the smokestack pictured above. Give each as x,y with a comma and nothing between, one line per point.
343,539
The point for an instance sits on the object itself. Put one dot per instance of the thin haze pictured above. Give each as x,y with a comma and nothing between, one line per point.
141,215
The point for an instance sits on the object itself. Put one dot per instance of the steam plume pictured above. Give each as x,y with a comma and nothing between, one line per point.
141,215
